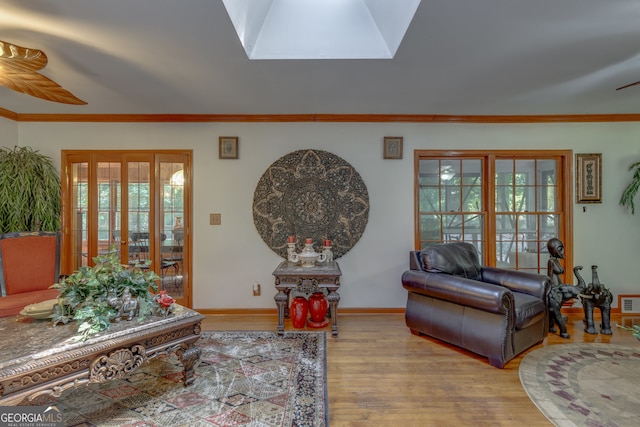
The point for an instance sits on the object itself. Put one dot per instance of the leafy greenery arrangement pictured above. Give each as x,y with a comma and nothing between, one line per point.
629,193
635,330
30,197
88,294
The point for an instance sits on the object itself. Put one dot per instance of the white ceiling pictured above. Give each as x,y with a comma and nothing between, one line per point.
458,57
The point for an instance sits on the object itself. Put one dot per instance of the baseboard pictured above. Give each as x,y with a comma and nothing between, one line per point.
273,311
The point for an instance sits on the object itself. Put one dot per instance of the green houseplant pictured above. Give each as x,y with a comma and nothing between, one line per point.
631,191
93,296
30,198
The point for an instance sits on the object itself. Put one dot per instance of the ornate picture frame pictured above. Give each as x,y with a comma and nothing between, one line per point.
228,147
392,148
589,178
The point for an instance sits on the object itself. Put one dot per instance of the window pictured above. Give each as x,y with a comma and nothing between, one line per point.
507,203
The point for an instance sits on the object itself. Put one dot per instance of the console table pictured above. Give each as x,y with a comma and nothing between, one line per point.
37,358
290,276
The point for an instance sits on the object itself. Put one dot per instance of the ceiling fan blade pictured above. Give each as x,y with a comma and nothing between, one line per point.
37,85
629,85
17,58
20,65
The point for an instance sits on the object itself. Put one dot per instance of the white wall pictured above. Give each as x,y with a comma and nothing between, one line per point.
9,133
229,258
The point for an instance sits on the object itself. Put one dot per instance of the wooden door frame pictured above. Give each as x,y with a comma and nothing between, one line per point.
93,157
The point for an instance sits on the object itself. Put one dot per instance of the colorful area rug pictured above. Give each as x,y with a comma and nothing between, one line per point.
589,384
244,379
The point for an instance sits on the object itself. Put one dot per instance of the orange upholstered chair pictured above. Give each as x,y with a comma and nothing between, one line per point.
29,265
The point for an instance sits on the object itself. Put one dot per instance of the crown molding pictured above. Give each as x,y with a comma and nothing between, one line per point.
331,118
8,114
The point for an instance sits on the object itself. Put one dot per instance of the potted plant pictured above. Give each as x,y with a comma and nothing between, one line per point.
30,198
107,292
631,191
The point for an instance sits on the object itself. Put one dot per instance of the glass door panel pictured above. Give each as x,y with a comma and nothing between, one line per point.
109,206
172,235
138,214
78,220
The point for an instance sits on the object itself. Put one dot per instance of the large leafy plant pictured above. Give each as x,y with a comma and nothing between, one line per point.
631,191
86,295
30,197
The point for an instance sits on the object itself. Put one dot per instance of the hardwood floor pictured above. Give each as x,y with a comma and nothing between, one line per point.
379,374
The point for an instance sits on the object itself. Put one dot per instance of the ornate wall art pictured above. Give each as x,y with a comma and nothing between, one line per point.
392,147
311,194
589,178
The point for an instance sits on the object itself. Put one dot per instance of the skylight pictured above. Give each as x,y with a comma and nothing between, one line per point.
321,29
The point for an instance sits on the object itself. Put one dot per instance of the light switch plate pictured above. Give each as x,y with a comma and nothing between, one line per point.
215,219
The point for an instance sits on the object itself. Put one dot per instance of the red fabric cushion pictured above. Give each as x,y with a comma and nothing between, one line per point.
12,305
29,263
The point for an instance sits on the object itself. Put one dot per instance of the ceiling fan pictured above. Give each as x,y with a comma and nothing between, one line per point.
18,71
629,85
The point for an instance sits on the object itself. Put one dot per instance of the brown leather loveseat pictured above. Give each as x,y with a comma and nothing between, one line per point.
494,312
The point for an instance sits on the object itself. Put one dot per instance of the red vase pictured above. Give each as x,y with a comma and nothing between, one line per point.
318,310
299,309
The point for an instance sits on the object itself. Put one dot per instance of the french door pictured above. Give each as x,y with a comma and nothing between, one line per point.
136,203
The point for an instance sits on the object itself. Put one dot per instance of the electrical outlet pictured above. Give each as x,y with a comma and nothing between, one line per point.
256,289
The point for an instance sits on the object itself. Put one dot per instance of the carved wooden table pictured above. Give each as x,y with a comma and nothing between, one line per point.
289,276
37,358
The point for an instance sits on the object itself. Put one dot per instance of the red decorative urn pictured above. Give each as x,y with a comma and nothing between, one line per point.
318,310
298,312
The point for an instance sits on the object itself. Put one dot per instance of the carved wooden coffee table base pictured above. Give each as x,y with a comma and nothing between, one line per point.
37,358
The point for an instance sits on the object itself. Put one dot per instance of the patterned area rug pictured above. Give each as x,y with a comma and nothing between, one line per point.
589,384
244,379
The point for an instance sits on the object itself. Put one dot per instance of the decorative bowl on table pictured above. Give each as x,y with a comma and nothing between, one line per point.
40,310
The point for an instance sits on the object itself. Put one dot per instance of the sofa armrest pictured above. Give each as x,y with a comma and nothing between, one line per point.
459,290
536,285
414,261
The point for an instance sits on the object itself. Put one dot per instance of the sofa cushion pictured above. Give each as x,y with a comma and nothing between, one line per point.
457,258
12,305
529,309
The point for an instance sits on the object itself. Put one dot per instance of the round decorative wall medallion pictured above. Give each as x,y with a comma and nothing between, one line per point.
311,194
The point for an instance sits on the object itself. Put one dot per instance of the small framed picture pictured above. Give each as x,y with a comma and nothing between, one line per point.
589,178
228,147
392,147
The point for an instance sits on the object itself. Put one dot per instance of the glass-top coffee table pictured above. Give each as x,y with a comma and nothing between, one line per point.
38,358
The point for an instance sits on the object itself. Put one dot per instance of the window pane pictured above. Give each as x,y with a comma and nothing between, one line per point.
429,172
504,172
450,172
549,227
431,229
429,199
504,199
548,190
473,228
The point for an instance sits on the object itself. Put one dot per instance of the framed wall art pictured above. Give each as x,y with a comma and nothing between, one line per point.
228,147
589,178
392,147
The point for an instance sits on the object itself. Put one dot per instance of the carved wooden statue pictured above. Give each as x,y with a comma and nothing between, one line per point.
559,292
593,295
